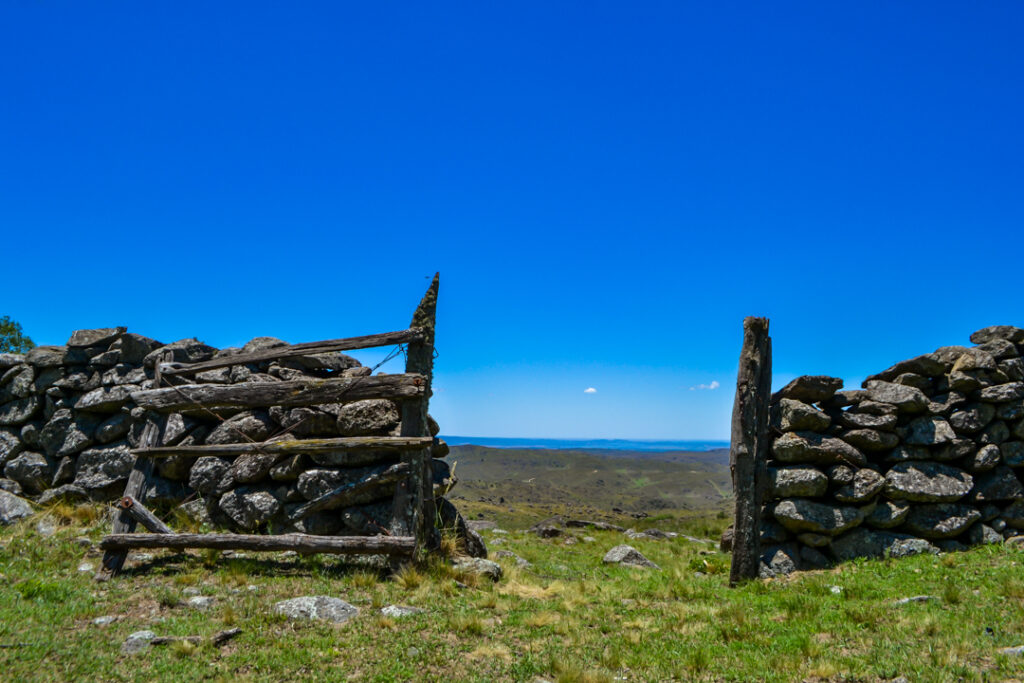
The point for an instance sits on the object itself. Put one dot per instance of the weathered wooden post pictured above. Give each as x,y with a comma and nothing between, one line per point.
748,454
414,497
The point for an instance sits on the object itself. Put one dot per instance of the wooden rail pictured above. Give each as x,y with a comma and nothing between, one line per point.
305,349
192,398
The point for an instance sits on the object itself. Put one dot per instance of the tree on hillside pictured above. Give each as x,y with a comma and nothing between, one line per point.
12,339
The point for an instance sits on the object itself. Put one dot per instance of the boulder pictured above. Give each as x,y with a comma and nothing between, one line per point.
252,467
1002,393
863,542
132,349
809,389
316,482
629,556
1013,368
113,428
870,440
927,482
928,365
866,485
32,471
844,398
68,433
906,453
1000,349
906,399
885,423
808,447
207,473
972,417
317,608
955,450
982,534
182,351
106,399
912,379
887,514
13,508
943,405
986,458
102,471
799,515
10,445
1014,410
1007,332
803,482
998,485
19,411
46,356
927,431
98,337
9,360
840,475
17,383
1013,514
996,432
487,568
940,520
289,468
1013,453
242,428
450,518
249,508
369,417
306,422
779,561
788,415
69,493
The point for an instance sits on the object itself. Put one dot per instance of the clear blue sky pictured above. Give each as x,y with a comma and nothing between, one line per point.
606,188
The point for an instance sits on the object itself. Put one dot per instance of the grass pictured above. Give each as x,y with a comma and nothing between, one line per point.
568,617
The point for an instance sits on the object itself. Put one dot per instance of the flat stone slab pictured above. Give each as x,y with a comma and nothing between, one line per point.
628,555
318,608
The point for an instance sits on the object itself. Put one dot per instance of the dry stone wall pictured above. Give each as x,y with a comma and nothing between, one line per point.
68,424
928,455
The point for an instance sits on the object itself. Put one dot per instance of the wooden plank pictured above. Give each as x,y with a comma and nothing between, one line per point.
748,455
305,349
188,398
303,543
366,490
141,514
350,450
413,509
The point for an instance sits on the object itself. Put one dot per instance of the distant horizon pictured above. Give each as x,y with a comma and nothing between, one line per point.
607,444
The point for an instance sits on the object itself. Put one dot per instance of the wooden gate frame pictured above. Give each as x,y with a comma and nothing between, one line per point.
411,527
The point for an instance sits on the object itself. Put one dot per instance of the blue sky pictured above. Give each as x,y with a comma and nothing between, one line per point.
606,188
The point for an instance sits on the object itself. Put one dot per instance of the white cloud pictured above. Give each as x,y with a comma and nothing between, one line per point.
707,387
590,390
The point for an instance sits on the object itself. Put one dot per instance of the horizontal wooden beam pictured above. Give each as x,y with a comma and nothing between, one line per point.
306,349
302,543
192,398
358,450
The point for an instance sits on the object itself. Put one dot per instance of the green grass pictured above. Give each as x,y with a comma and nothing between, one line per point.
567,618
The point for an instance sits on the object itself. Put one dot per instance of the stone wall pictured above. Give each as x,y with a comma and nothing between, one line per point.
68,423
927,456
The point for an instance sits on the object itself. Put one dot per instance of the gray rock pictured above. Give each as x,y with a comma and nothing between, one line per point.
183,351
863,542
306,422
520,562
317,608
482,567
207,472
13,508
46,356
65,471
106,399
927,431
928,482
163,492
1013,514
840,475
242,428
811,558
799,515
998,485
955,450
99,337
290,468
68,493
79,381
868,407
790,482
928,365
33,471
809,389
906,399
1012,411
1007,332
1016,651
175,467
137,642
912,379
972,418
249,508
253,467
870,440
316,482
400,611
772,533
10,445
20,411
9,360
196,511
451,518
1003,393
200,602
915,599
17,383
102,471
123,374
113,428
372,416
940,520
68,433
1000,349
779,561
996,432
985,459
11,486
627,555
1013,368
854,420
866,485
944,405
788,415
808,447
845,397
982,534
887,514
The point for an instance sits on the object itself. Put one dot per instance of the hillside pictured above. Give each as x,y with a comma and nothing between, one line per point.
514,485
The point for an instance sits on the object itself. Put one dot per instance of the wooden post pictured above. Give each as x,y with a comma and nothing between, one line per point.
748,455
414,497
